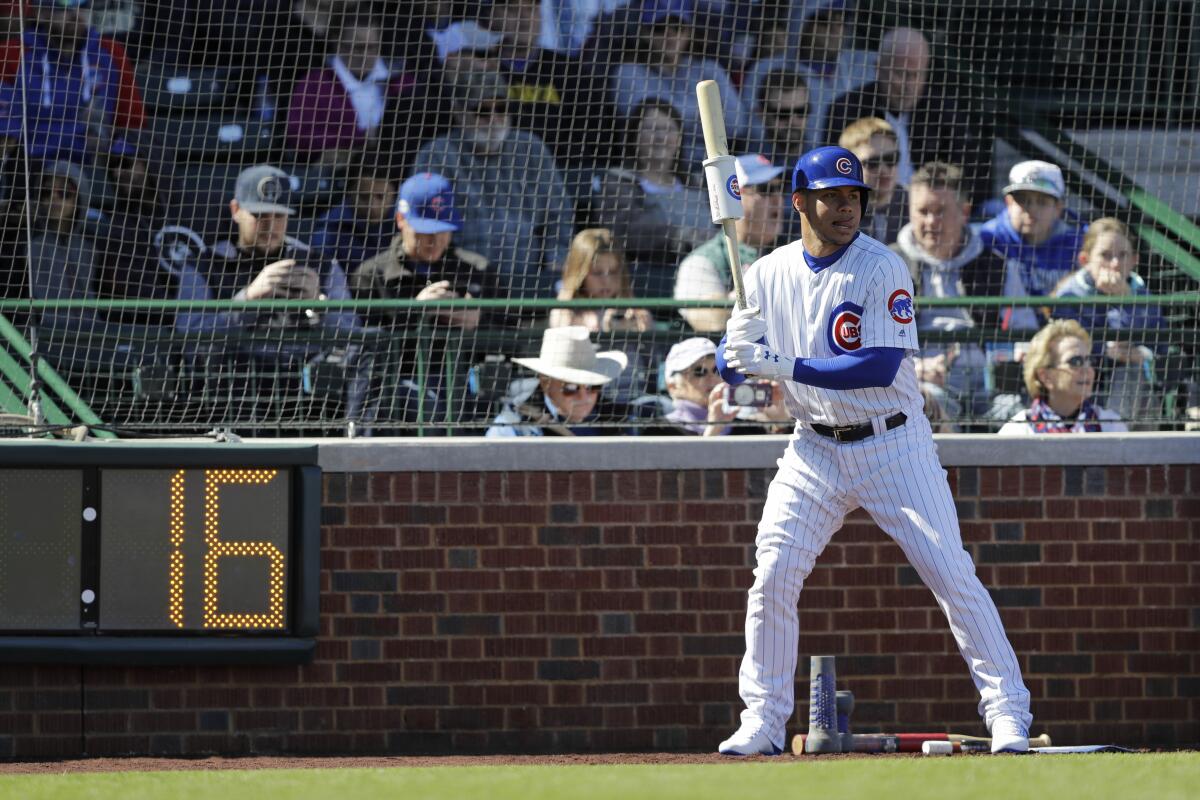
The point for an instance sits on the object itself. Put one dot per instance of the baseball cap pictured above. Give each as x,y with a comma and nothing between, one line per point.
755,168
655,11
263,189
683,354
1036,176
427,203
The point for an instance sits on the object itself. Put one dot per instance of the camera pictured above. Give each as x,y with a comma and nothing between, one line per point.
753,394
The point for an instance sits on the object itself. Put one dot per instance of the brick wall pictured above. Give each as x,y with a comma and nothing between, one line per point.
534,611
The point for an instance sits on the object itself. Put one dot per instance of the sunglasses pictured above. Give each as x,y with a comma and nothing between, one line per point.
1075,362
698,371
782,111
882,160
572,389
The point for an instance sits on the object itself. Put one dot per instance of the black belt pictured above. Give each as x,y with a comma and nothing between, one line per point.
863,430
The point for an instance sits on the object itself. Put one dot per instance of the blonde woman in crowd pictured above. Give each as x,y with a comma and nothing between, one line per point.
595,268
1060,375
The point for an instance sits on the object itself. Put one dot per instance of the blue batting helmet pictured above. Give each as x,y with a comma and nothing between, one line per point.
829,166
826,167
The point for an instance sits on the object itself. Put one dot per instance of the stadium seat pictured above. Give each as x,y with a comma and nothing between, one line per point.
173,90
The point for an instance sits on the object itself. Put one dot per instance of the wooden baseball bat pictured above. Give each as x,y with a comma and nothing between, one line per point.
712,121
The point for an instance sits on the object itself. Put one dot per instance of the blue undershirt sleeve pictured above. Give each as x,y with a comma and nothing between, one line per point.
872,367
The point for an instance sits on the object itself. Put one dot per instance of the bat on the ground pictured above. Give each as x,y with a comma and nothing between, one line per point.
911,742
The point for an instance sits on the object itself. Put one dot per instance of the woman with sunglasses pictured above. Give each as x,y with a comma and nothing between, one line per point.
1060,375
875,143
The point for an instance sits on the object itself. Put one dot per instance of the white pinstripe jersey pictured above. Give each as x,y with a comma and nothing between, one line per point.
863,299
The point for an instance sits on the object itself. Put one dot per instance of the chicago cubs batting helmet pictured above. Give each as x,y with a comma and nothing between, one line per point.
826,167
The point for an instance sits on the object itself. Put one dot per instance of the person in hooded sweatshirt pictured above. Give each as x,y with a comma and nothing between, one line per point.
946,258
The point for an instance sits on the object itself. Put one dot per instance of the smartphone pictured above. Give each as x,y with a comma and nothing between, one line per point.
751,394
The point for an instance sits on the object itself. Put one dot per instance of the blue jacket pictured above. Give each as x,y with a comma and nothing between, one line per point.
1041,266
61,90
1096,318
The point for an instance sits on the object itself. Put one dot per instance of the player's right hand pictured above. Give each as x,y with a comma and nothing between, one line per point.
746,326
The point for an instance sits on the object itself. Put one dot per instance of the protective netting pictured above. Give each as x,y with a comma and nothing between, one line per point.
335,218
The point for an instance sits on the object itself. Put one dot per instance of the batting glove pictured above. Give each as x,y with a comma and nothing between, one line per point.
746,326
759,360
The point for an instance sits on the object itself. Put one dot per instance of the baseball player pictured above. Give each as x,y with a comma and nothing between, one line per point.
831,316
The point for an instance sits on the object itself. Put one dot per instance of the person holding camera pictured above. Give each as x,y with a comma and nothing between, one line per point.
704,405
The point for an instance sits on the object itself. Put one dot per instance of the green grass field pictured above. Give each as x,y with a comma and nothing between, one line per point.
1157,776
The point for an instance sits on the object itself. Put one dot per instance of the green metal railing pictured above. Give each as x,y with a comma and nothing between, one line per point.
144,380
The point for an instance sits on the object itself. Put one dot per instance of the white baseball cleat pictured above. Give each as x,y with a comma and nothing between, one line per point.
1009,736
749,741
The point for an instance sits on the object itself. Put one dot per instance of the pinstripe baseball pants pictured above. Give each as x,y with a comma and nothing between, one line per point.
897,478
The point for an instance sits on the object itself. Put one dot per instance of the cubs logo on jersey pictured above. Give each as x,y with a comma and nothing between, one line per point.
900,306
845,328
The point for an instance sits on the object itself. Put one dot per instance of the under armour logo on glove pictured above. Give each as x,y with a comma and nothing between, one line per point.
755,359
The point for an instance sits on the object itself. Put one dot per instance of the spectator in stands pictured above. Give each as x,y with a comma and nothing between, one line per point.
553,95
655,216
1032,235
706,274
783,102
73,86
669,72
262,262
930,124
340,107
1108,257
819,52
362,224
516,210
1060,375
62,260
563,400
946,258
696,391
132,236
596,269
874,141
696,399
422,263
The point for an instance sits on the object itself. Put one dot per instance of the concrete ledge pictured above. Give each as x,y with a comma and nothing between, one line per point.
734,452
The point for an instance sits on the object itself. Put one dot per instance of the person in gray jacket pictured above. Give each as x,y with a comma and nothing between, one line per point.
516,210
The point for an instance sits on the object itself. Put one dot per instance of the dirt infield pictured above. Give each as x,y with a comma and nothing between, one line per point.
381,762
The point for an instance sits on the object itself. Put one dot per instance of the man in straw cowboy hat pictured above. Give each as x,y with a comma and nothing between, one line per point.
562,399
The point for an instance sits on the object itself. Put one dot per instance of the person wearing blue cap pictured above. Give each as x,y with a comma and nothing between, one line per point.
78,84
422,264
705,273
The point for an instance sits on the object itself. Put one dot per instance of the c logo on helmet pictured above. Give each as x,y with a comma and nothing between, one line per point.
734,189
900,306
843,166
